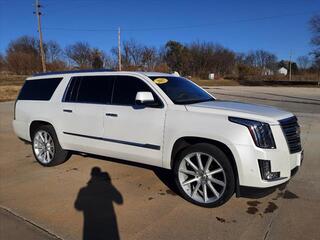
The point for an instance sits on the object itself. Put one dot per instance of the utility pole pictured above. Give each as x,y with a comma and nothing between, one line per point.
38,13
290,76
119,49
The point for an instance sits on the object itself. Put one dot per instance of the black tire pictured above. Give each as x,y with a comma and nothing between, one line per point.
222,160
60,155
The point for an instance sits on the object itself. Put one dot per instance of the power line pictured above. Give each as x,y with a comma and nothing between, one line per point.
223,22
182,27
82,29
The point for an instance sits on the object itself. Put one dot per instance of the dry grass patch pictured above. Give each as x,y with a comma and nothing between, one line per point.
6,79
216,82
9,92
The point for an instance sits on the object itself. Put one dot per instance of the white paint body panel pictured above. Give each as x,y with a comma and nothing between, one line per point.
141,126
160,127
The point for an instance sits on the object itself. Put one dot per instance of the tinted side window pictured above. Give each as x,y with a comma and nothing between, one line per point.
72,90
40,89
95,89
126,88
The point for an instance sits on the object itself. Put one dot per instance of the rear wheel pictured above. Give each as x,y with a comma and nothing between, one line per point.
204,175
46,147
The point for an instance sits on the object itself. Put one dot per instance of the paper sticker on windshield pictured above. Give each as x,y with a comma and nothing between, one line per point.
160,80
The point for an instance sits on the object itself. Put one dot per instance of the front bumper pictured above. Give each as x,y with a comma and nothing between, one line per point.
255,192
249,174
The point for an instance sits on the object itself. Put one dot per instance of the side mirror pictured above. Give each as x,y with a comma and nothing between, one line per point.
144,98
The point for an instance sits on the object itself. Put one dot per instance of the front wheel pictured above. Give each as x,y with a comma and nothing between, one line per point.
204,175
46,147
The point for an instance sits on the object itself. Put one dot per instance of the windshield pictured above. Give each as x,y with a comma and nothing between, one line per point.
181,90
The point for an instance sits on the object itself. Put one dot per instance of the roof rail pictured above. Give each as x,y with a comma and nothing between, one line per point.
73,71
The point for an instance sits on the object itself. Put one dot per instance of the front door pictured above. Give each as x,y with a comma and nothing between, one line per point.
134,132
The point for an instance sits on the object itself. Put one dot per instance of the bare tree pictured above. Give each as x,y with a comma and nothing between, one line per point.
134,51
111,61
206,57
53,51
80,53
223,61
262,59
200,59
161,65
315,28
97,58
250,59
315,40
136,56
2,62
303,62
196,59
150,58
22,55
240,58
132,57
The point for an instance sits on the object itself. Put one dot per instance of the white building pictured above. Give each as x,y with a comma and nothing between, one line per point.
211,76
283,71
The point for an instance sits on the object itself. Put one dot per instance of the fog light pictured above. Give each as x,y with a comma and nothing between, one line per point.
265,171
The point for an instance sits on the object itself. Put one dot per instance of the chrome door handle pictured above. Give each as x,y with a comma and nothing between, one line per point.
67,110
111,115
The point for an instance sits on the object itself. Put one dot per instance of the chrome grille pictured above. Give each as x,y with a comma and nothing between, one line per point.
291,130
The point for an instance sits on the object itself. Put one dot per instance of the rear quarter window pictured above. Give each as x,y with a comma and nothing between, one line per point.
39,89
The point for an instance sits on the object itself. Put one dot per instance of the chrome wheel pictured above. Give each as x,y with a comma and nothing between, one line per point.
201,177
43,147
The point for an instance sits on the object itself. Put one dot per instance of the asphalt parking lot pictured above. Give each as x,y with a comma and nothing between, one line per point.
88,196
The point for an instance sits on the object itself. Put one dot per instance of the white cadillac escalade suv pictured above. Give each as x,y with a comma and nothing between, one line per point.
214,148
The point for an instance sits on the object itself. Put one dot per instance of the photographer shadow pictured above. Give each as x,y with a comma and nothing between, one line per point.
96,200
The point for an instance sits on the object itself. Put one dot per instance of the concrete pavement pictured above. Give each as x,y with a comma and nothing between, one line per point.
86,195
16,227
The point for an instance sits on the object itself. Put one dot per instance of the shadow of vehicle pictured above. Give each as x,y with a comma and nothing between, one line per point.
167,178
96,200
256,193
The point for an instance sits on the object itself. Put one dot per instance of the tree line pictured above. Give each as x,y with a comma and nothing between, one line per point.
196,59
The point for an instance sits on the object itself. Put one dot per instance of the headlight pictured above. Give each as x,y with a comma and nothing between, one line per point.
260,132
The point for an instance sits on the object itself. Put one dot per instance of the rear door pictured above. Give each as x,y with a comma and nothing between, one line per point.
134,132
84,110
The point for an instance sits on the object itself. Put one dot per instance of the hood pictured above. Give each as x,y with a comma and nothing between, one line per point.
243,110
